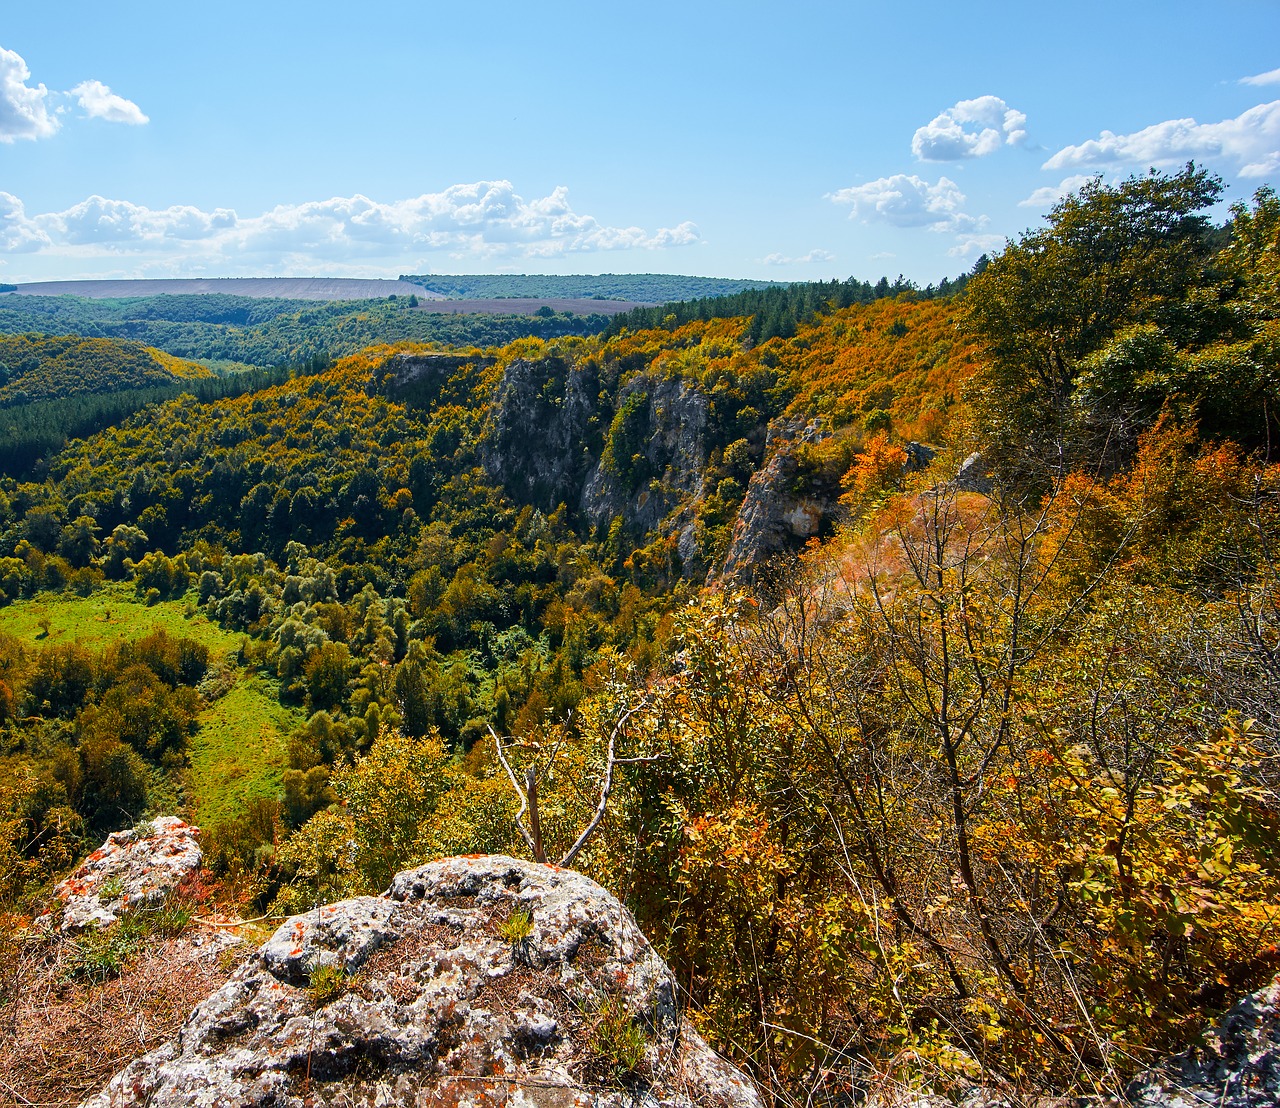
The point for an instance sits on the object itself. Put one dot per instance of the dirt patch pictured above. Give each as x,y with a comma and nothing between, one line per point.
61,1040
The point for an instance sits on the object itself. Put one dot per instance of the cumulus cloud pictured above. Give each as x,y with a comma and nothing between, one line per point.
976,244
1251,140
18,234
1271,77
970,129
483,218
99,102
815,255
31,111
1048,195
24,109
908,201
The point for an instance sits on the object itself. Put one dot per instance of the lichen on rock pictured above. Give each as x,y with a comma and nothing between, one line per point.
133,869
435,1006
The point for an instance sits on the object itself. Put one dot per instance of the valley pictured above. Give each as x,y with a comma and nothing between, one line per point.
906,775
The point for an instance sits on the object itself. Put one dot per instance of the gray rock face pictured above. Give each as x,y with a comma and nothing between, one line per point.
919,456
675,452
1238,1066
773,514
132,869
972,476
534,442
435,1004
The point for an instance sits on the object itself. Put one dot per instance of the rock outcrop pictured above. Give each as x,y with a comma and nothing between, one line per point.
131,870
973,476
472,981
1236,1066
673,423
774,513
535,438
415,378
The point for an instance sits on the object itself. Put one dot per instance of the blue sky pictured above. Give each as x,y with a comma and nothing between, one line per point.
743,139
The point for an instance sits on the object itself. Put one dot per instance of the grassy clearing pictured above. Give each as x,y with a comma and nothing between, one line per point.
112,613
240,749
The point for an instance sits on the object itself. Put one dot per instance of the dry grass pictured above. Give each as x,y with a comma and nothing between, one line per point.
61,1040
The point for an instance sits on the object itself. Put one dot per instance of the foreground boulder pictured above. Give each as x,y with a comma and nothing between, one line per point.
472,981
133,869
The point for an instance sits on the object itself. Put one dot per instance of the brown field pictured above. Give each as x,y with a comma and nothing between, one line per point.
513,305
285,288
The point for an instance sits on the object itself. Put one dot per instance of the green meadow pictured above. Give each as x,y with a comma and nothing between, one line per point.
238,749
110,614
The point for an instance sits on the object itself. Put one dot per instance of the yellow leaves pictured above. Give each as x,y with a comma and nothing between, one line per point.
733,853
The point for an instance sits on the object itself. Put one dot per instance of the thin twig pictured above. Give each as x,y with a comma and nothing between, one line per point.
524,800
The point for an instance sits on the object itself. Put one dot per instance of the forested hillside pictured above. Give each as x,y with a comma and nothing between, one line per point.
640,287
912,779
44,367
264,332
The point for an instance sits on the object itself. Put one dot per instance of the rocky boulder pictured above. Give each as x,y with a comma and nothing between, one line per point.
1236,1066
133,869
481,980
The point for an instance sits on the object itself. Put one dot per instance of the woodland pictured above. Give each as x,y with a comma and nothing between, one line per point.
640,287
975,780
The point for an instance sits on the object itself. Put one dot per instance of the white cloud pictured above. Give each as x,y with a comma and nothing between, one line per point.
99,102
970,129
27,111
486,219
1048,195
976,244
815,255
24,109
1251,139
1271,77
908,201
18,234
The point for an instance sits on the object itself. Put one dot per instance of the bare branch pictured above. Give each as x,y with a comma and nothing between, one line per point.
524,799
535,821
605,787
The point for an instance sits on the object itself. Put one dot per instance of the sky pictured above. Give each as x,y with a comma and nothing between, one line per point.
789,142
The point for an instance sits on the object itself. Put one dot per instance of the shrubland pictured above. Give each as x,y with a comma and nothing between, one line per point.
973,785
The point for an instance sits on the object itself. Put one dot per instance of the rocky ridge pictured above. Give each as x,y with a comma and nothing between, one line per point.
481,980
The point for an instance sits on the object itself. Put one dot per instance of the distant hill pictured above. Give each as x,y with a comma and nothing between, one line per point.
42,367
643,288
285,288
269,332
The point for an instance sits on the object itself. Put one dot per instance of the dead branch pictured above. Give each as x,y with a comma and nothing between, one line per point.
524,797
532,834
